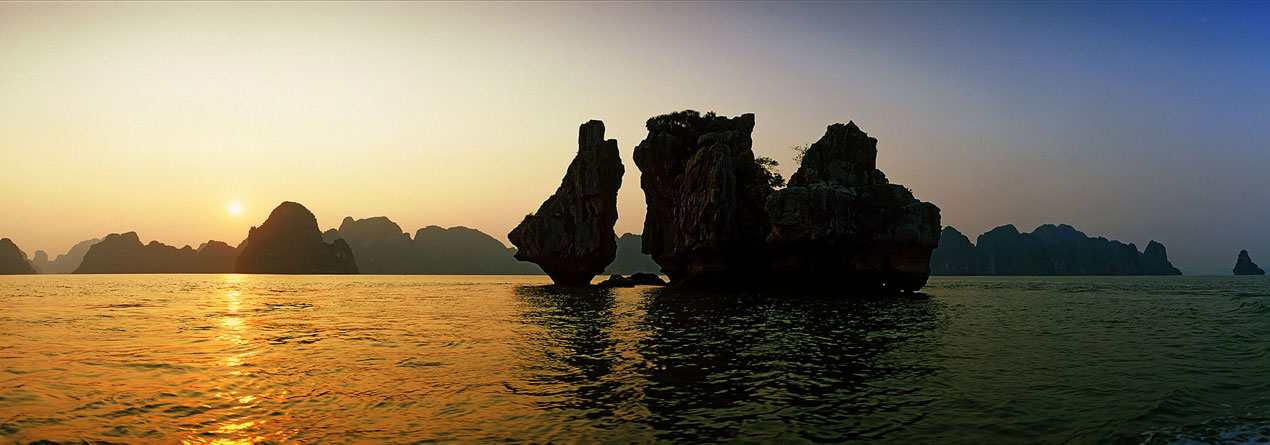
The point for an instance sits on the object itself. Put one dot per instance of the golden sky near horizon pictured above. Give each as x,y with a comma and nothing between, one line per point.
158,117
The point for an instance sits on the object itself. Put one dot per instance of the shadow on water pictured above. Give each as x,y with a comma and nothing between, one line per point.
695,366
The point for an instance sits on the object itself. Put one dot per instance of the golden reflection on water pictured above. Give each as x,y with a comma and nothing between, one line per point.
242,431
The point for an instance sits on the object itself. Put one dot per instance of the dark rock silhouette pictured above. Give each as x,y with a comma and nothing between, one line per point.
1245,266
124,253
13,260
64,263
617,281
571,236
714,220
647,279
954,256
630,257
841,224
289,242
705,226
1048,250
639,279
1155,261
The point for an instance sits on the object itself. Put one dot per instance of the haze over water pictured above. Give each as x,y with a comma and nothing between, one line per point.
265,359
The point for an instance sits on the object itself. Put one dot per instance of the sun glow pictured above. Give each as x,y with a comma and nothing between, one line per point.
235,208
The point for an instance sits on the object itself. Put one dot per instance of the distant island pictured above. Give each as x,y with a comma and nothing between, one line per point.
1245,266
64,263
12,260
124,253
1048,250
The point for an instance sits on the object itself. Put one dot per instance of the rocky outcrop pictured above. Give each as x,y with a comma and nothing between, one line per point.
64,263
1155,261
378,244
124,253
841,224
639,279
954,256
715,221
571,235
1245,266
13,260
631,258
1048,250
289,242
706,225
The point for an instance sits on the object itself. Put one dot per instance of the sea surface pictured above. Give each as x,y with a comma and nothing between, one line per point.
242,359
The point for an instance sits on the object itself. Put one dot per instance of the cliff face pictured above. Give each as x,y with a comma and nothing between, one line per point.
706,225
571,235
1245,266
289,242
124,253
630,259
13,260
839,223
1048,250
64,263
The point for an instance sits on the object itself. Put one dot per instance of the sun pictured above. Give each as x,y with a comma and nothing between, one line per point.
235,208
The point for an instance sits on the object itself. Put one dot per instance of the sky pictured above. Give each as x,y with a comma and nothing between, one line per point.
1135,121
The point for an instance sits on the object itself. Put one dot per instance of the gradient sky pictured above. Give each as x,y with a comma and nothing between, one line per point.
1134,121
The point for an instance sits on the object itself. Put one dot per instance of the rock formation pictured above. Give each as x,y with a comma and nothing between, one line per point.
714,220
1048,250
124,253
705,226
1245,266
13,260
631,258
571,235
1155,261
289,242
461,250
840,223
379,245
64,263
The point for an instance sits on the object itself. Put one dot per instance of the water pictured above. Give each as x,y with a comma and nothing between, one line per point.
268,359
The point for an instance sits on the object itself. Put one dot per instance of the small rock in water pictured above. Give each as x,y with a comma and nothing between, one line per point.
1245,266
617,281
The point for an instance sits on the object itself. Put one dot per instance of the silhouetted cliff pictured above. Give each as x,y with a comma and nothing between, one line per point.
64,263
714,219
630,259
289,242
954,256
13,260
124,253
1048,250
841,224
571,235
705,226
1245,266
434,250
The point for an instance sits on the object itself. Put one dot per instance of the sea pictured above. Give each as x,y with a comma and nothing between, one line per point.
255,359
